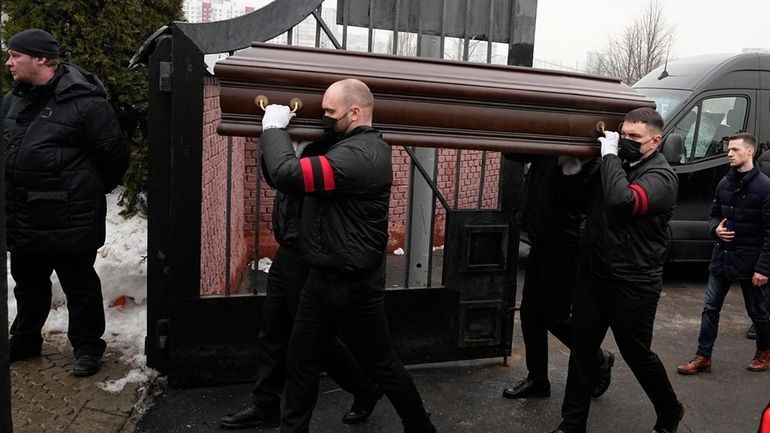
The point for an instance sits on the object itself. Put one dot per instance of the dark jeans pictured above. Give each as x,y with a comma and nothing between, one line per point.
756,300
82,287
629,310
546,303
284,283
352,306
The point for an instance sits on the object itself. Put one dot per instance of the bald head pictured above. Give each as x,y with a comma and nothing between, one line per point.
349,98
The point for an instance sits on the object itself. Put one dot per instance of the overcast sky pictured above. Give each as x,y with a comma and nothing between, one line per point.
566,30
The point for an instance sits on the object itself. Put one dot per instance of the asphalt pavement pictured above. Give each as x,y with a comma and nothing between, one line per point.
465,397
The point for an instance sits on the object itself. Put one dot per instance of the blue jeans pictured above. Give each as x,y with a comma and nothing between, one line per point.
756,300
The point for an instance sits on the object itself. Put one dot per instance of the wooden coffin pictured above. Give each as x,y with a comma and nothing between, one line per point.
428,102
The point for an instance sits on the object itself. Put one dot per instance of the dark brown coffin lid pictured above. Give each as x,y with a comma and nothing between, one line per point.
429,102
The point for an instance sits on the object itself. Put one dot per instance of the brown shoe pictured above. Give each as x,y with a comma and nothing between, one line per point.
760,361
697,365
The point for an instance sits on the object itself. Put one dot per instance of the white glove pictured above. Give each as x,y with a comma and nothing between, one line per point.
276,116
570,165
609,143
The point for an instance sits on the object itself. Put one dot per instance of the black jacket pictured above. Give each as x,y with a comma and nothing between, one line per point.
64,152
287,207
626,228
746,201
554,210
347,192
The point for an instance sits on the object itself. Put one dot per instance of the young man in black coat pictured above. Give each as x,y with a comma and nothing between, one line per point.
740,222
343,235
624,244
64,152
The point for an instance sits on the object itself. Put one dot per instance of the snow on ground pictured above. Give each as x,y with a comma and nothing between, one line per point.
122,267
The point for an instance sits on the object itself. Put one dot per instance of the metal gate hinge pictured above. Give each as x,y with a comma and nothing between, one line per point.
164,84
162,334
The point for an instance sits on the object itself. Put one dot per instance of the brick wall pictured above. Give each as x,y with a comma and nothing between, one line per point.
214,206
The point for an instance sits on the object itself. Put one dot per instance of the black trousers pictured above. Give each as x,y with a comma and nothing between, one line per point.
82,287
284,283
629,310
354,308
546,303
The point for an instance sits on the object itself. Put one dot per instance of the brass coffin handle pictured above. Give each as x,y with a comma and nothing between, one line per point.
295,103
600,127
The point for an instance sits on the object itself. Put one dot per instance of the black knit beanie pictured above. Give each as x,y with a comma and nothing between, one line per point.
36,43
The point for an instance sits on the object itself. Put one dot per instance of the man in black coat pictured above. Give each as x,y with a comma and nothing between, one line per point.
553,218
343,235
625,236
64,152
288,273
740,222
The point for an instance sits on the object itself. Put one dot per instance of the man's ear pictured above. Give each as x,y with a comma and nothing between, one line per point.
355,111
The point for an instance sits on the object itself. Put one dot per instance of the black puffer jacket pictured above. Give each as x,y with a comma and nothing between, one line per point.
746,201
626,228
347,193
64,152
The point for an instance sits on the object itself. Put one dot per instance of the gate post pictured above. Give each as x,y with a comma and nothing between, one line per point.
174,130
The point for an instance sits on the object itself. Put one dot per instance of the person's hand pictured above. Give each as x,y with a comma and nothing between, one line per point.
758,279
276,116
570,165
609,143
723,233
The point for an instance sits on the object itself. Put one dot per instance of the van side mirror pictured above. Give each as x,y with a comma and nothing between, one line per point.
673,149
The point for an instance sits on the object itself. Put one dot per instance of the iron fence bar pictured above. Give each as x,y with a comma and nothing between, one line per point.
371,27
458,157
289,36
490,32
228,214
320,21
396,13
317,29
427,178
483,176
466,40
257,207
419,30
443,23
345,17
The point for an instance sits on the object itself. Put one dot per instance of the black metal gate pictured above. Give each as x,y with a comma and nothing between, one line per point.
198,340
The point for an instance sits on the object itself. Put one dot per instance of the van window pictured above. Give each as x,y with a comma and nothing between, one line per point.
708,122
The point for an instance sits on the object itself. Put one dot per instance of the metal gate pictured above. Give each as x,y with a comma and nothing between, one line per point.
466,312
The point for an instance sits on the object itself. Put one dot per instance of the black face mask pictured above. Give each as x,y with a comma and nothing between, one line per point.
329,125
629,150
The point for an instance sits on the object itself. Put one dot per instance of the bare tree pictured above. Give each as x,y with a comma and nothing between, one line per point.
642,47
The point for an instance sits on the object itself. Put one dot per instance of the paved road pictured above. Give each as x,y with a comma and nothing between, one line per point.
465,397
46,398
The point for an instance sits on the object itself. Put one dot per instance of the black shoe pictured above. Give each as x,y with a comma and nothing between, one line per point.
362,407
603,375
252,416
751,334
558,430
527,388
672,426
86,365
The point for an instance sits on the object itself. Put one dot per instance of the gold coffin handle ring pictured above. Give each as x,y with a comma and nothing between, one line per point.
295,103
600,127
